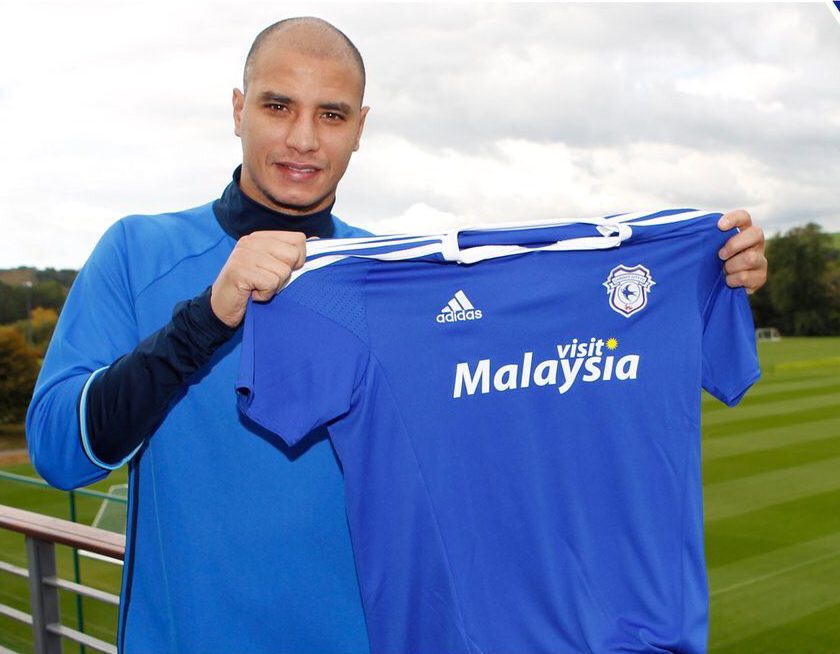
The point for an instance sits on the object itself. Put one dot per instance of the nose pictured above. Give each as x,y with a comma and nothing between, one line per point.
302,135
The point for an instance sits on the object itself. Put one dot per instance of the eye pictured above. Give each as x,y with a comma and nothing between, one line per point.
277,107
332,116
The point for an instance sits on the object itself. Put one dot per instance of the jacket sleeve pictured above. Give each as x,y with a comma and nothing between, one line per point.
101,392
122,406
97,325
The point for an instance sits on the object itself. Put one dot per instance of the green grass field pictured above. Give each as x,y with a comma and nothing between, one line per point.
99,620
772,485
771,470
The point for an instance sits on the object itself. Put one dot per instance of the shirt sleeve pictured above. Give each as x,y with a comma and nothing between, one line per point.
730,360
96,326
299,369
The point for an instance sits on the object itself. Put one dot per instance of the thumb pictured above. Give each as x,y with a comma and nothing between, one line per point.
263,295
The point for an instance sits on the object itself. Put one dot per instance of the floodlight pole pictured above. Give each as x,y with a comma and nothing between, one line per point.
28,285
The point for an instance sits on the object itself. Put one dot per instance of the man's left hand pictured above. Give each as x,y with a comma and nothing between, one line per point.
743,254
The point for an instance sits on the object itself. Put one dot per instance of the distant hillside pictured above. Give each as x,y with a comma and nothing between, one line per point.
17,276
26,288
21,275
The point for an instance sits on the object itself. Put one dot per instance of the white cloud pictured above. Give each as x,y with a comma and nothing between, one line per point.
417,217
756,83
527,180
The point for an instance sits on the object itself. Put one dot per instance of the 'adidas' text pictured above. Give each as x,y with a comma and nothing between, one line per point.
458,309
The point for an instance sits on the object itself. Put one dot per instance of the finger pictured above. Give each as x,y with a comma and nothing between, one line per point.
751,259
279,235
752,236
738,218
256,278
292,254
278,243
264,283
751,280
258,239
262,296
278,271
257,270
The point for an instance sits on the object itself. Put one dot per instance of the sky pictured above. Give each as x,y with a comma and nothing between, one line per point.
479,113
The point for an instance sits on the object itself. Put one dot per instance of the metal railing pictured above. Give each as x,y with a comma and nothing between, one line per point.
72,495
41,534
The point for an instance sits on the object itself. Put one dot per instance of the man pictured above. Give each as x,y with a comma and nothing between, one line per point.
235,543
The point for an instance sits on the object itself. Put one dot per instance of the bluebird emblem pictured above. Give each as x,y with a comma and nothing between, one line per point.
628,289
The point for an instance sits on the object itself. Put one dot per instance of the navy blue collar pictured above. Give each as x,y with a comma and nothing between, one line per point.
239,215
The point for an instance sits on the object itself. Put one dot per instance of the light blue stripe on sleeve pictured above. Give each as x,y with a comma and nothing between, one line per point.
83,428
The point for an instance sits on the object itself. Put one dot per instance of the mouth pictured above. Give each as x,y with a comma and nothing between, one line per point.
298,171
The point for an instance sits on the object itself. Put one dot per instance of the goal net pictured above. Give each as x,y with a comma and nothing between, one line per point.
767,334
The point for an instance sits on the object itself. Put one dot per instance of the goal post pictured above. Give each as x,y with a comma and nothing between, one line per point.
111,516
767,334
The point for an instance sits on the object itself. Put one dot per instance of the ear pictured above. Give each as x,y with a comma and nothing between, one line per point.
362,115
238,101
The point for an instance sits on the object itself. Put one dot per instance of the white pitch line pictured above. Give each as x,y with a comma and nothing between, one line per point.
775,573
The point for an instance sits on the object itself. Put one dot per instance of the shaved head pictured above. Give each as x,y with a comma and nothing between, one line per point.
310,36
300,117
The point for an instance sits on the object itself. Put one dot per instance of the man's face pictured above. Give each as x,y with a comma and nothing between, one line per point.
299,122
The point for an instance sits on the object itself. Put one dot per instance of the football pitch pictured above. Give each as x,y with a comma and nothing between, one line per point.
771,470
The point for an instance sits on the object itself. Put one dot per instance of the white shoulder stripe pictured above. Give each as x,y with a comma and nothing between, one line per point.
321,246
678,218
614,230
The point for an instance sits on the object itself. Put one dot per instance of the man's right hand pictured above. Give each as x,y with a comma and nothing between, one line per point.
258,267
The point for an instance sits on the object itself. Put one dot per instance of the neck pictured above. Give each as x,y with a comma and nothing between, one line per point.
239,215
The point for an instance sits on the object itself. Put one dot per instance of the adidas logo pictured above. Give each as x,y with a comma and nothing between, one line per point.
459,308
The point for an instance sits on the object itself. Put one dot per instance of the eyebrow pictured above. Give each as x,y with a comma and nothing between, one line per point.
279,98
337,106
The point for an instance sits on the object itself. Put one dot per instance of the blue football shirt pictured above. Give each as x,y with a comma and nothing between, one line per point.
517,412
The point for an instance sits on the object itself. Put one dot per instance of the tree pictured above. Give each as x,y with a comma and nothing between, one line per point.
64,277
49,294
43,322
801,297
18,371
763,310
12,303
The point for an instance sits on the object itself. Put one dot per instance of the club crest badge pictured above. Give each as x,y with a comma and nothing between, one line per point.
628,289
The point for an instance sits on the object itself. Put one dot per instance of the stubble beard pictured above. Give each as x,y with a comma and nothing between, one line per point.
288,207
